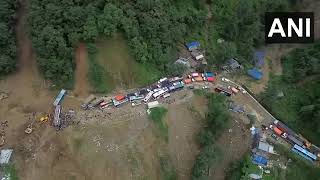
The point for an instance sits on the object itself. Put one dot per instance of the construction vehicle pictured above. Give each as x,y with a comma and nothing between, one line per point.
44,118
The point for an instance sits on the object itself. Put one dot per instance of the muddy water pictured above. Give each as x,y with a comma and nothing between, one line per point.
114,56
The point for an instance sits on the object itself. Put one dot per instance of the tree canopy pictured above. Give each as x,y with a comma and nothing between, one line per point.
300,82
7,37
153,29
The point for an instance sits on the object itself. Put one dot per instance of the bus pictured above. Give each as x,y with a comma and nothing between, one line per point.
304,153
148,96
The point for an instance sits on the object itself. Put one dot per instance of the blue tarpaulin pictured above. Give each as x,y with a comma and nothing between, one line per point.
255,73
260,160
259,58
193,45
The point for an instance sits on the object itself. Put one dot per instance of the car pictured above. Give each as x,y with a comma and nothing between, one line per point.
205,87
225,79
191,87
275,137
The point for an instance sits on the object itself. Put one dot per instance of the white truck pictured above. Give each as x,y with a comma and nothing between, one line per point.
148,96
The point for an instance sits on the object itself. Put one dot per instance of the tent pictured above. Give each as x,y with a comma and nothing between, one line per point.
259,160
193,45
255,73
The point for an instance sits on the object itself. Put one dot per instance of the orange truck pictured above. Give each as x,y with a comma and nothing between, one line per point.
119,97
198,79
187,81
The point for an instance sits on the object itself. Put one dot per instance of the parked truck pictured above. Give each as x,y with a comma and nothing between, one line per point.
56,116
87,101
59,98
119,103
223,90
95,103
283,127
208,74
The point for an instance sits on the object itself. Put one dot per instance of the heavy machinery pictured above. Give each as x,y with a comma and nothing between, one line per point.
44,118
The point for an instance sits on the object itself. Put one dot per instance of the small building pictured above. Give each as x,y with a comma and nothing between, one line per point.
232,65
183,61
197,55
255,73
258,58
265,147
193,45
5,156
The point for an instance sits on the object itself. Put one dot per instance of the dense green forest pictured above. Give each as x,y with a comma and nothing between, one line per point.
300,82
153,29
7,37
239,25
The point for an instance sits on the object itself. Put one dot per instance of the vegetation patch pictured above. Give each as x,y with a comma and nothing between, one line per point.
294,96
217,119
157,115
297,168
122,70
8,46
96,73
10,172
168,172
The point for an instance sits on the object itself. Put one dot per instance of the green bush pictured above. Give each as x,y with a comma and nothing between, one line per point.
7,37
217,120
96,73
300,82
157,115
